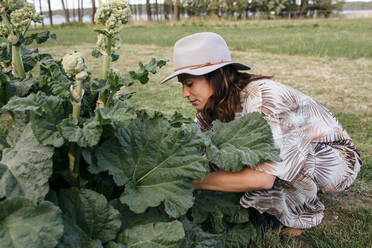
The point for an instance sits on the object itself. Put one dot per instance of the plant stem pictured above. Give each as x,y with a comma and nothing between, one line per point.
75,104
107,103
17,61
16,53
106,67
75,151
107,57
74,154
3,100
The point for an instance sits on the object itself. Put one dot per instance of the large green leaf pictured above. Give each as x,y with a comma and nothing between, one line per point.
118,115
239,143
23,224
156,163
113,244
20,87
15,125
47,113
238,236
153,235
131,219
177,119
54,80
91,212
142,74
74,237
30,57
86,136
33,102
44,125
25,168
235,237
219,205
196,237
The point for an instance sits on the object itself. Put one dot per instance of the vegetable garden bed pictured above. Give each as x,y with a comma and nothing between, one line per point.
80,167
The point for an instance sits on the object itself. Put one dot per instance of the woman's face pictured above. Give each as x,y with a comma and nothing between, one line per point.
197,90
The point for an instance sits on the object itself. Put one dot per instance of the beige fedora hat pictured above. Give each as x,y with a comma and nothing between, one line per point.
201,53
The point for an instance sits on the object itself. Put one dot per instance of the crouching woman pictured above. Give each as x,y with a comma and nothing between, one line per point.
317,153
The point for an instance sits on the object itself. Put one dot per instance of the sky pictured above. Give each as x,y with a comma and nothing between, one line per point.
56,4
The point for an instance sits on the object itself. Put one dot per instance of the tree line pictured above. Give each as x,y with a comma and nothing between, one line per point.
238,9
69,13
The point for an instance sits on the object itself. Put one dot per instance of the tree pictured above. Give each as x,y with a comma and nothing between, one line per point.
73,11
214,7
79,12
93,11
290,7
166,10
50,14
157,9
135,11
41,12
276,5
65,12
176,13
241,7
325,7
148,10
303,7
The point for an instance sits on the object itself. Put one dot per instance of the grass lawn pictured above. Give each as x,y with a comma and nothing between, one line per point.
330,60
351,38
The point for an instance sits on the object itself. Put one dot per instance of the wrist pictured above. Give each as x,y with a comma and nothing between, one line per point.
197,184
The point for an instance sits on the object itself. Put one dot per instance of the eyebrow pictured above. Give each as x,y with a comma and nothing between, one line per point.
185,81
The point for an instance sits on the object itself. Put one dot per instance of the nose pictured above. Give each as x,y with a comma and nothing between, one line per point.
185,91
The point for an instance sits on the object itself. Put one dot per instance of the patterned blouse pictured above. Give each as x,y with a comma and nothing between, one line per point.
317,154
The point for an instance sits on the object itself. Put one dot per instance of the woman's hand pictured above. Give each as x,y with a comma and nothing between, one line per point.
242,181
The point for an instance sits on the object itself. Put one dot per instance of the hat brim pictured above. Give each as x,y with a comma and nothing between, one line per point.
205,70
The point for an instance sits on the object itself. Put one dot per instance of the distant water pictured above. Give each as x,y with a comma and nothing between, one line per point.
61,19
366,11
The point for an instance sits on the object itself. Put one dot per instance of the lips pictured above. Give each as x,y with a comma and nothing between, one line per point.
193,102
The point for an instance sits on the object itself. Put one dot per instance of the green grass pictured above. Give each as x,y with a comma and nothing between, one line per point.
359,127
332,63
355,229
351,38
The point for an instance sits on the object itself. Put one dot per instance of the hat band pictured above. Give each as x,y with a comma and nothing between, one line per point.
201,65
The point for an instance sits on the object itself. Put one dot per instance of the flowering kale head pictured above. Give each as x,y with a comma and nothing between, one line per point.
4,30
113,14
11,5
73,64
101,43
21,18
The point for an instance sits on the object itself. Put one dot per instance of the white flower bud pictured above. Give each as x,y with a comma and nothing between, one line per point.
73,64
12,38
113,14
4,30
13,4
81,76
101,43
21,18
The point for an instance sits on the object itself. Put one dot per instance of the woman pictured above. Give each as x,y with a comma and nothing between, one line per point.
317,153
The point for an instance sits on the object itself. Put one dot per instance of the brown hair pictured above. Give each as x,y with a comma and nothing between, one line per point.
227,83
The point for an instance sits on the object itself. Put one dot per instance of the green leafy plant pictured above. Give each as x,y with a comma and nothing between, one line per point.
81,168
